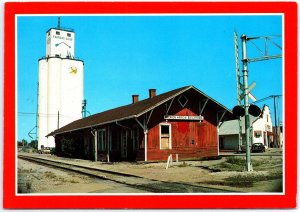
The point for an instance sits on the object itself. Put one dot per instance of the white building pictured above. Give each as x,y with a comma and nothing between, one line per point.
60,92
261,131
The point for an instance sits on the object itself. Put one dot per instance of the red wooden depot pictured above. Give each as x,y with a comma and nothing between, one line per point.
181,122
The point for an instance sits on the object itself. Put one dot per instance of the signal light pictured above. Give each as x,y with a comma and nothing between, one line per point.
238,111
254,110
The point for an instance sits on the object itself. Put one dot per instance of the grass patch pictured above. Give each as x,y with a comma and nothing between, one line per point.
183,164
231,164
49,174
238,164
26,171
28,186
247,179
73,181
235,160
265,169
266,164
219,157
62,180
244,180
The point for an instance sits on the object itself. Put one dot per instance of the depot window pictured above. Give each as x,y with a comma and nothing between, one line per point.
165,136
57,33
69,34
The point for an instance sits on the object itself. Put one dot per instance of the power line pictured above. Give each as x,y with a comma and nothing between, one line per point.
266,98
42,114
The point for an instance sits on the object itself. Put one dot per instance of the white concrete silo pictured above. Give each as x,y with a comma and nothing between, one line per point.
42,103
60,85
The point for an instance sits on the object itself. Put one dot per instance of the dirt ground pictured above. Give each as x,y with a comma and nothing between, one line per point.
33,178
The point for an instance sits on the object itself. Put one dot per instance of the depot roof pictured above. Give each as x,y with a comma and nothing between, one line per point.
134,111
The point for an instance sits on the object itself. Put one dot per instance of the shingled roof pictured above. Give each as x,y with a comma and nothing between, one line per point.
128,111
231,127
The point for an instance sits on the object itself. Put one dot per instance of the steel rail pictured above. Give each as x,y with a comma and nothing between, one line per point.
138,182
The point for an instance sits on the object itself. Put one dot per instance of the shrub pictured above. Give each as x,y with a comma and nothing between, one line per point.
235,160
219,157
184,164
50,174
28,186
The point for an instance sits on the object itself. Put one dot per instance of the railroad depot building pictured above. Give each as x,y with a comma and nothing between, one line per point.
182,122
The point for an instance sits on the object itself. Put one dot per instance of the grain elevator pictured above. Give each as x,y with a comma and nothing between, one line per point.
60,90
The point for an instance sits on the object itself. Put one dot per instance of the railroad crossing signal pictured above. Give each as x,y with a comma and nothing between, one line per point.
250,88
243,89
239,111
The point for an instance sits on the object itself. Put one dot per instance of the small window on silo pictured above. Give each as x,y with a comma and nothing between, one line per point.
57,32
69,34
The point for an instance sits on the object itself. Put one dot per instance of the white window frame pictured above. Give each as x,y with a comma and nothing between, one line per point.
170,135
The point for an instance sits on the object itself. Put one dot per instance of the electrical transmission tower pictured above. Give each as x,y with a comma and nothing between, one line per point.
34,130
243,89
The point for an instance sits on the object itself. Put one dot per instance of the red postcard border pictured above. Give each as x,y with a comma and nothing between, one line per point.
288,200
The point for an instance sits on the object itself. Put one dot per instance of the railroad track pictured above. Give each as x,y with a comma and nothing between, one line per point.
130,180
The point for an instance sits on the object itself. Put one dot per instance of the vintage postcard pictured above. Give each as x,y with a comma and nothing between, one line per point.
150,105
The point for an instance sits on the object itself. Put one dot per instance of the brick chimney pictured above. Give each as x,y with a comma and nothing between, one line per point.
135,99
152,93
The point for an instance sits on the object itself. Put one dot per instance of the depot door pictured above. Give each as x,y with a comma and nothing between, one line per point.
124,143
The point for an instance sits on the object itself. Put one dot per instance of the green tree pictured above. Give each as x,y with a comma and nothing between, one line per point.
24,142
33,144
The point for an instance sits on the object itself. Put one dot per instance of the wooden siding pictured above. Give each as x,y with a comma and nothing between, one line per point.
190,139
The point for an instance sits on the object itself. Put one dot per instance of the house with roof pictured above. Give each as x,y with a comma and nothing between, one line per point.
260,131
182,122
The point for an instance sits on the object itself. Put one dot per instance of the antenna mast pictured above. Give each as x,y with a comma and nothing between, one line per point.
238,85
58,23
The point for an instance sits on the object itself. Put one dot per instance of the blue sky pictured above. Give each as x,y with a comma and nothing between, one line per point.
125,55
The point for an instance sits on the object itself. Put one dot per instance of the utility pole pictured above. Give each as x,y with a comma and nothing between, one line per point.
57,119
276,121
278,125
37,114
246,102
275,114
83,111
